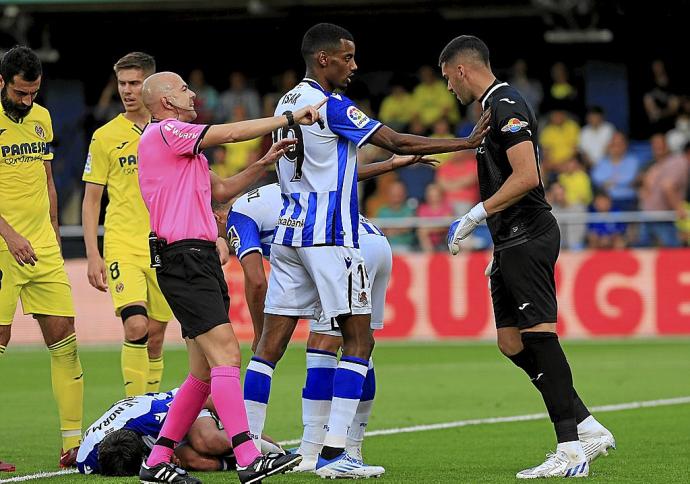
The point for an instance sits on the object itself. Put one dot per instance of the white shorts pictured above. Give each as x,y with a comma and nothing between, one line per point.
306,281
378,260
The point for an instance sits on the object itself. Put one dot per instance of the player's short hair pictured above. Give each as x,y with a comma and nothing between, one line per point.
220,206
323,36
136,60
22,61
465,44
121,453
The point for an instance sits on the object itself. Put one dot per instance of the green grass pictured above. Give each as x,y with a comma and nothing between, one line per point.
417,384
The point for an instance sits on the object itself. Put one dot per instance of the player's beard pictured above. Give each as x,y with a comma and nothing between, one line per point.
17,112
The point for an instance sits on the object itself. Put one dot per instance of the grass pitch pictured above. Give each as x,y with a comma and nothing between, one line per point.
417,384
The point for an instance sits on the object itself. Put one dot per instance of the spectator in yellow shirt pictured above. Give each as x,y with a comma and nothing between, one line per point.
397,108
432,100
576,183
560,138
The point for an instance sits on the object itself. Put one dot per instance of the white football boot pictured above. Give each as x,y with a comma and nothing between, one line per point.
596,442
345,466
558,464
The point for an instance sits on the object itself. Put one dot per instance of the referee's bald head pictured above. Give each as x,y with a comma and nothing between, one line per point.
473,48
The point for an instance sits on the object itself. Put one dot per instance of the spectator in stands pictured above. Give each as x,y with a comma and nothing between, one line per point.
663,187
458,180
432,239
605,235
432,100
577,194
472,115
530,88
661,103
109,103
679,136
281,84
595,136
241,154
396,206
559,137
562,95
206,101
572,234
239,94
683,222
616,174
397,108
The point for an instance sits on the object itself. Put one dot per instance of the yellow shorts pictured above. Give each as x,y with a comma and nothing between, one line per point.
43,288
131,279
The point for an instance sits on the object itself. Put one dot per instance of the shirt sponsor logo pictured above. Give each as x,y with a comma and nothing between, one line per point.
357,117
291,222
20,151
514,125
179,133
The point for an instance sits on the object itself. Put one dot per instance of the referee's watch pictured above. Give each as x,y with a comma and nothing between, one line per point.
290,118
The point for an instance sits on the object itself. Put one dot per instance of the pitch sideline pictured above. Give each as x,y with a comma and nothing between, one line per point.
664,402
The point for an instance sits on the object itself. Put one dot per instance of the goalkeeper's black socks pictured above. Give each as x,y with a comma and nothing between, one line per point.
555,381
525,360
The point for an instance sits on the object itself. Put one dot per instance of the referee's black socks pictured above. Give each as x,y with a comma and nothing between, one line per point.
555,381
525,361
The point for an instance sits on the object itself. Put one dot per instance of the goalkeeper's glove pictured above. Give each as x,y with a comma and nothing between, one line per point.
464,226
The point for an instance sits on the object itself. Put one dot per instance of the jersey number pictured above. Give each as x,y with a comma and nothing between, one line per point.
296,152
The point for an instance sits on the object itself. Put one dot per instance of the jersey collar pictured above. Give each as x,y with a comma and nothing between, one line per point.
315,85
496,84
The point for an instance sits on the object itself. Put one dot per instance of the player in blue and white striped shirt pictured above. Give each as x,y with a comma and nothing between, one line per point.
316,265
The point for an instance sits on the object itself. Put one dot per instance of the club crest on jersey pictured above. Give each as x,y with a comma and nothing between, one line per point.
120,287
39,131
363,298
357,117
514,125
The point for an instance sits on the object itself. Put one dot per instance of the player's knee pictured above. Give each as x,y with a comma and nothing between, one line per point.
135,327
508,346
135,310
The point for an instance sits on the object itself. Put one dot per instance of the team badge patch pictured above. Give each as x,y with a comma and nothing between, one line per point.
87,165
119,288
514,125
357,117
363,298
39,131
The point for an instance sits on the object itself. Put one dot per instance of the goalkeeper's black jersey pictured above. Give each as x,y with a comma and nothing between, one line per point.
512,122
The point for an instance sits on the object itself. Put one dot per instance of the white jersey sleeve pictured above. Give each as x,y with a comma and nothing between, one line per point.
252,220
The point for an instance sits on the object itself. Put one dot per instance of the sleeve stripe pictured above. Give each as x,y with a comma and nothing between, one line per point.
201,137
248,251
368,135
93,182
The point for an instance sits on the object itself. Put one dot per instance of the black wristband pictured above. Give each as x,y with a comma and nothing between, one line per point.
290,118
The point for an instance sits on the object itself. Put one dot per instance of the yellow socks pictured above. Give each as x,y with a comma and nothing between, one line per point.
155,374
2,349
135,368
68,388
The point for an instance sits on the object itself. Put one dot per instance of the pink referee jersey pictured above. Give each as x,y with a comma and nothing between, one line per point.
175,181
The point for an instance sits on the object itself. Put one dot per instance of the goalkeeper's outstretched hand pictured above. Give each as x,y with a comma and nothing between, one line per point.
463,227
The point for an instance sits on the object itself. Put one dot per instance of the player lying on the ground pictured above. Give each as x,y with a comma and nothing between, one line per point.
117,442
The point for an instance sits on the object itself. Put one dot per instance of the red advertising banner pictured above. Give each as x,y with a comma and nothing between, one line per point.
435,296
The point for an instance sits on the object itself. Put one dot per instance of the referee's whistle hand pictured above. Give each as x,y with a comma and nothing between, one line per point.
21,249
309,115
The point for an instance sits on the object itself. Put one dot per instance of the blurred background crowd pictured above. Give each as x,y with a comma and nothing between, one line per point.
613,103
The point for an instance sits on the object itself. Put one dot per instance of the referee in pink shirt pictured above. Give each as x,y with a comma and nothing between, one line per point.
177,188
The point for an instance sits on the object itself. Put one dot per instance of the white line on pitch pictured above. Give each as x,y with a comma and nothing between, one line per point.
439,426
515,418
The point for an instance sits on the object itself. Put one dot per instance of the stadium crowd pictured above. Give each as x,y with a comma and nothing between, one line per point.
587,164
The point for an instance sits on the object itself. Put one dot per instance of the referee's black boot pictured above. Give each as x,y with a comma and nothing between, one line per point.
165,472
267,465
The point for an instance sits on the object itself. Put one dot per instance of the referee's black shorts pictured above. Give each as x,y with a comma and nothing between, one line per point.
523,289
192,281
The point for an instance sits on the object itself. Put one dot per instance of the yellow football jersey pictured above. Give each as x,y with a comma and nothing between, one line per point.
112,161
24,203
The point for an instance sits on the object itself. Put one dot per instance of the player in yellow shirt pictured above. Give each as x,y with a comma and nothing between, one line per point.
31,264
112,162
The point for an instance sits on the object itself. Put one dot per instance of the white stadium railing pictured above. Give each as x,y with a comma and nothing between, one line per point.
564,218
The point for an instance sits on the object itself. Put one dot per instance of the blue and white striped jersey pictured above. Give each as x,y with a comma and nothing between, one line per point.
366,227
318,176
252,220
143,414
